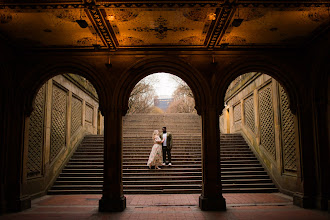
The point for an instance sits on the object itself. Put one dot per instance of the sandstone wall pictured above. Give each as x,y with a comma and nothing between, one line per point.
259,109
65,110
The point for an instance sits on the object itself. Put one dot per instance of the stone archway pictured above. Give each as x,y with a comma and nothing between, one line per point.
293,88
113,198
29,87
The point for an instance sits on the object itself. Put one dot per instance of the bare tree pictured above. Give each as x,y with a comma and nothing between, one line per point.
183,99
142,97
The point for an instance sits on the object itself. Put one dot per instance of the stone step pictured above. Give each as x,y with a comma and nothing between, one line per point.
240,169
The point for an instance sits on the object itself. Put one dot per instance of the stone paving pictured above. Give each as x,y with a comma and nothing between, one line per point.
244,206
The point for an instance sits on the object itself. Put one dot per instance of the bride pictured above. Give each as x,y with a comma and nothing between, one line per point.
156,157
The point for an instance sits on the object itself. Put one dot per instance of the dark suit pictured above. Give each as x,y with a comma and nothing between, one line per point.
167,148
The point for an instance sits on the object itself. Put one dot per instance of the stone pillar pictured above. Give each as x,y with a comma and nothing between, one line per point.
48,122
113,198
211,198
12,122
307,175
277,125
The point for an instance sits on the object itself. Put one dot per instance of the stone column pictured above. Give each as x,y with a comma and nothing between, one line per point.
211,198
113,198
306,177
12,122
277,126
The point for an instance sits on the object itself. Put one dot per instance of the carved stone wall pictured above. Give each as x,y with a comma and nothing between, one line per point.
237,113
89,113
267,120
288,134
58,125
76,114
55,129
249,113
36,136
269,127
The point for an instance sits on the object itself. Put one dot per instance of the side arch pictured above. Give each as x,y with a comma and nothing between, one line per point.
257,65
33,81
143,68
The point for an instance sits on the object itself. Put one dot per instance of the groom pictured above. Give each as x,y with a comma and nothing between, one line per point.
166,145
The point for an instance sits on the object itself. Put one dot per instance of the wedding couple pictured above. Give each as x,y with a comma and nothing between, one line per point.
162,146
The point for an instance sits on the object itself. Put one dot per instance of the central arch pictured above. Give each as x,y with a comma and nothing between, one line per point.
145,67
113,198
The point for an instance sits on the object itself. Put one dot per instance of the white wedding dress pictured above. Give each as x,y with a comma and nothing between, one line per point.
156,157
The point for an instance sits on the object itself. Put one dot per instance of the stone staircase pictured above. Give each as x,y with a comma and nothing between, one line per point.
241,171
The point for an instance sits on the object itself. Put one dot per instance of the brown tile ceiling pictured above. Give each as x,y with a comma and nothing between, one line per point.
142,25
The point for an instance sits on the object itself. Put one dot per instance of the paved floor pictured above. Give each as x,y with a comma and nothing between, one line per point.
268,206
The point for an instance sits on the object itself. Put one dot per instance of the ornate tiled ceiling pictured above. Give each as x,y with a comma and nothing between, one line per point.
48,28
143,25
160,27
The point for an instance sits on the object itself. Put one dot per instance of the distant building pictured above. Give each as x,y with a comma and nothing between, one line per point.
163,102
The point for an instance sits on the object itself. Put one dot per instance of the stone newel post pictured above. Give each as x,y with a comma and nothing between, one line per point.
211,198
113,198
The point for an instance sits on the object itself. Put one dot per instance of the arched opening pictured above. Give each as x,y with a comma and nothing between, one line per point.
162,100
260,138
58,154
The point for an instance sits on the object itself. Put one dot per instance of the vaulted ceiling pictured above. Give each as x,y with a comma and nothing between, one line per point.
145,25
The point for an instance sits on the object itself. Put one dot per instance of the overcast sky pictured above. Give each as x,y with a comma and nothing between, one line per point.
164,84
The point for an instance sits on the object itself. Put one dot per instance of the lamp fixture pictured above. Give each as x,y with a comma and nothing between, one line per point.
237,21
212,16
111,17
224,45
82,23
109,64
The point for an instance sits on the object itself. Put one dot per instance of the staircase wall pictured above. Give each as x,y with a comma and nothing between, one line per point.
258,108
65,110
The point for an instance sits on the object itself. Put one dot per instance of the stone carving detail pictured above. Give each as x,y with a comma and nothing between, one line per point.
249,113
58,124
76,115
267,120
89,114
237,113
161,28
36,135
288,134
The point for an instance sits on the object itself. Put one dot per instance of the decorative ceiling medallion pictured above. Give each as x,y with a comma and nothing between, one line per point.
161,28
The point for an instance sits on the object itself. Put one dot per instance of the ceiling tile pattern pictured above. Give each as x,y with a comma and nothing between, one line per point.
275,26
142,25
160,27
48,28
